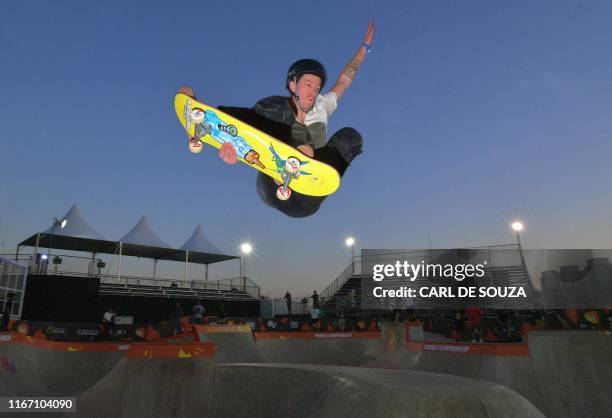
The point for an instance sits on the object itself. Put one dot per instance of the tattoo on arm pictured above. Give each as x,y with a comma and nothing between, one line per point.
351,69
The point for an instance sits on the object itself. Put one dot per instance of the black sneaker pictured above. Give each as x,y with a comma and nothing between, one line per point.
348,142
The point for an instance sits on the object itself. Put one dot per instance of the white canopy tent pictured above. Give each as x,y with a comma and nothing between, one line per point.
198,242
73,233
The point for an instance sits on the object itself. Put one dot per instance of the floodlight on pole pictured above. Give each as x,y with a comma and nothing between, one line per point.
517,226
350,242
245,248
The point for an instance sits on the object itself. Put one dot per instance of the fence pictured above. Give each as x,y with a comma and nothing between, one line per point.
13,279
67,265
352,269
278,306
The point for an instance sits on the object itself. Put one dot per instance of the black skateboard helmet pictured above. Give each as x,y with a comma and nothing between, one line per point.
306,66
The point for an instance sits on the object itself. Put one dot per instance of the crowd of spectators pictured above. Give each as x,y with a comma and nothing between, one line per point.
477,325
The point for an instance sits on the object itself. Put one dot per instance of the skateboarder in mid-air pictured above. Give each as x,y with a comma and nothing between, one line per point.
301,122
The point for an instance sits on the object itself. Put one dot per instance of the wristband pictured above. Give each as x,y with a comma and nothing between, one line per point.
368,47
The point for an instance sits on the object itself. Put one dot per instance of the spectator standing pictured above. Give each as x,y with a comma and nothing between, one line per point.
459,325
288,299
175,317
108,323
198,312
474,314
315,300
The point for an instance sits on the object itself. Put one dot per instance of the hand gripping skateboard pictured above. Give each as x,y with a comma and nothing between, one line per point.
290,169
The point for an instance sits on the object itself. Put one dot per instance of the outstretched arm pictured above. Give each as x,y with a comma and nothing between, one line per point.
350,70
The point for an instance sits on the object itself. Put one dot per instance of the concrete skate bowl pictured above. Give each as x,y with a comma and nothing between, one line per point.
32,370
380,350
510,367
574,372
221,386
38,367
562,373
198,388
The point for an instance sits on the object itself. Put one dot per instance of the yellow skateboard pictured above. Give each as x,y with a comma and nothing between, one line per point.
291,169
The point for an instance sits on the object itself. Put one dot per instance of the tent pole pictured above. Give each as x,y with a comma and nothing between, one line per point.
205,272
119,266
154,269
241,267
185,270
36,259
37,242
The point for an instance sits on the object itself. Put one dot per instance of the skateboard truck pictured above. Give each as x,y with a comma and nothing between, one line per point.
196,145
201,129
291,170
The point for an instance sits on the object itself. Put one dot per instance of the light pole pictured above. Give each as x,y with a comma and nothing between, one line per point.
350,242
517,226
245,249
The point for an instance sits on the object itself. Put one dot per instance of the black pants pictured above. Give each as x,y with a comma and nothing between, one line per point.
300,205
275,118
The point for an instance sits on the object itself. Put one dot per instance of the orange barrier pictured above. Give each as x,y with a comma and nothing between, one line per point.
223,329
131,350
185,350
489,349
310,335
521,350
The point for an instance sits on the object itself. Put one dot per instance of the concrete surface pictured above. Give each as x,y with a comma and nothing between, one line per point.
567,374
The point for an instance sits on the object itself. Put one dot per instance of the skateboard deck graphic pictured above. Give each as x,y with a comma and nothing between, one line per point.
288,166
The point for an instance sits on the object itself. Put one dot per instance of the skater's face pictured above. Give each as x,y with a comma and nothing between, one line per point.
308,88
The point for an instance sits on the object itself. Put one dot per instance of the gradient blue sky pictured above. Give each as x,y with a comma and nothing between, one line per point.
473,113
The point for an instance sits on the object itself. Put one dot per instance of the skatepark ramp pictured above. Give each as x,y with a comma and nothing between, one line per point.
198,388
512,370
383,349
293,390
234,343
559,374
32,370
573,372
563,373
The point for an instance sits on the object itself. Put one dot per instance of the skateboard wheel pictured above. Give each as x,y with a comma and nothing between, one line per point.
197,115
195,146
292,165
283,195
186,90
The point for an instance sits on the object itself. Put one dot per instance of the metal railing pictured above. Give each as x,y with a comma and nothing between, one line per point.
13,280
67,265
59,264
278,306
235,284
340,281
